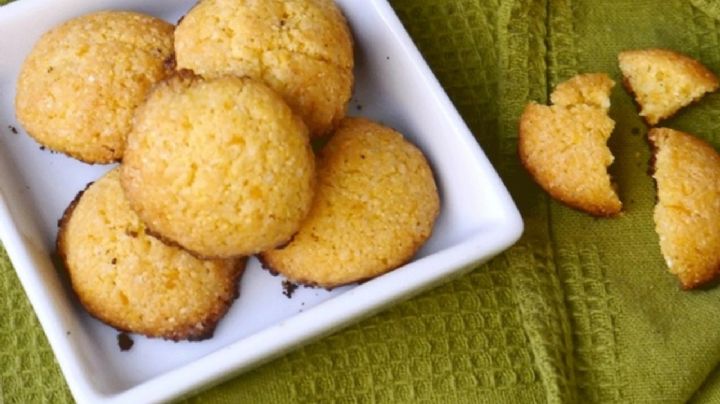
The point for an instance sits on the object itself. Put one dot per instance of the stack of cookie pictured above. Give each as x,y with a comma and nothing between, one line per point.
564,148
212,122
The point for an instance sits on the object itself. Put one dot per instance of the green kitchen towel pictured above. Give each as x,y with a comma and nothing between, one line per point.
580,310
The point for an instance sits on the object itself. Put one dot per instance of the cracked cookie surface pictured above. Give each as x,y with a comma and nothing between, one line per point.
221,167
376,205
80,85
301,48
131,280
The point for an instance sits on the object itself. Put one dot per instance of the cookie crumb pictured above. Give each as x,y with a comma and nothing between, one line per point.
13,129
125,342
288,288
170,62
359,107
42,148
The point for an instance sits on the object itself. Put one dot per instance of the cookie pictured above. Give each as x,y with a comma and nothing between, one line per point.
82,81
221,167
376,205
301,48
131,280
687,214
664,81
563,146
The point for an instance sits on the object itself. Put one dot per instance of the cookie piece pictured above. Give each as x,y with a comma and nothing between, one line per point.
591,89
131,280
564,146
81,83
687,214
300,48
375,207
221,167
664,81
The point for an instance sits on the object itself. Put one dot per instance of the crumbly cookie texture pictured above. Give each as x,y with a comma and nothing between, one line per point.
564,146
301,48
221,167
133,281
80,85
376,205
664,81
687,214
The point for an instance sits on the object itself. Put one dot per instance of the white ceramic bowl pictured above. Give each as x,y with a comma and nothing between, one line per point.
394,86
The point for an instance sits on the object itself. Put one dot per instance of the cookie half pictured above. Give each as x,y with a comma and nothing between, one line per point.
131,280
221,167
80,85
564,146
376,205
664,81
687,214
302,49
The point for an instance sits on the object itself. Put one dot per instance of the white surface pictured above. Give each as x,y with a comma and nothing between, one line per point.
394,85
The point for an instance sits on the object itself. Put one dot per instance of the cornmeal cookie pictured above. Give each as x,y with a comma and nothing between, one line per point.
81,83
664,81
133,281
687,215
563,146
221,167
300,48
375,207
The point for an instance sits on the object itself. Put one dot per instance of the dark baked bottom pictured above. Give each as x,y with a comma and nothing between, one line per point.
190,333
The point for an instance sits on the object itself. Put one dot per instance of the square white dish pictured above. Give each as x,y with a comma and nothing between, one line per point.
394,85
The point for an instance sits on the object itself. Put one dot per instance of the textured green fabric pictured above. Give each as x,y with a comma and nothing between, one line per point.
581,310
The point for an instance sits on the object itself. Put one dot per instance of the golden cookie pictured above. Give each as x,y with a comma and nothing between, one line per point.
133,281
563,146
81,83
664,81
300,48
220,167
375,207
687,215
